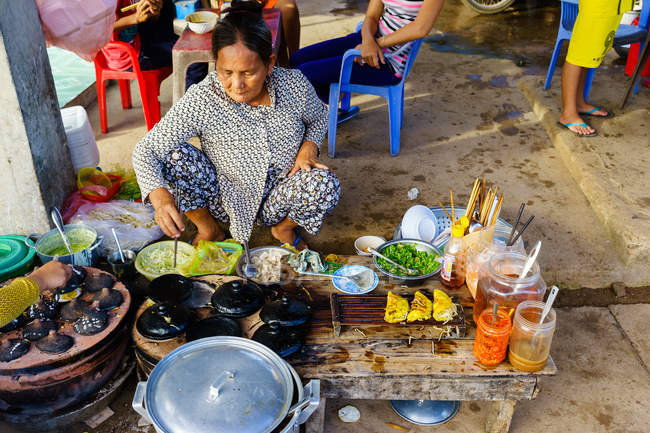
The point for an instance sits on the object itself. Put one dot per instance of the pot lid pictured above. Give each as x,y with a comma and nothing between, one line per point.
286,312
213,327
170,288
219,384
283,341
238,298
14,254
162,321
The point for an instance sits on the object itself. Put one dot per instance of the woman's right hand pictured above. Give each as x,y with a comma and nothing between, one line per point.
167,216
371,54
51,275
145,10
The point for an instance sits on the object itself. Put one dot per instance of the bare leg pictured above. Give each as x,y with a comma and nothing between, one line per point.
582,105
283,231
573,80
208,228
290,30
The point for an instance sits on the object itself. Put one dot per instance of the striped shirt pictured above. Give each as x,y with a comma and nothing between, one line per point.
397,14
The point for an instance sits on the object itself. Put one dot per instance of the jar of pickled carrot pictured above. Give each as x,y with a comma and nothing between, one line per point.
492,334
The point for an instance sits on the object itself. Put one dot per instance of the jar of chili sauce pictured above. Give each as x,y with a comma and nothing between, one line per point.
492,334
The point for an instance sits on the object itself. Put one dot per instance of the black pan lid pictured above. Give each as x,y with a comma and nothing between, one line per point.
238,298
170,289
163,321
286,311
213,327
283,341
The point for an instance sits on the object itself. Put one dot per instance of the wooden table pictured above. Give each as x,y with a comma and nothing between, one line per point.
197,48
383,365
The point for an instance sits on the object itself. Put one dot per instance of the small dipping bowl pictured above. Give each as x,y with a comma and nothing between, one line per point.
122,271
364,242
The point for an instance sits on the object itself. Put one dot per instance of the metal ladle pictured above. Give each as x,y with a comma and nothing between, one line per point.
249,269
58,222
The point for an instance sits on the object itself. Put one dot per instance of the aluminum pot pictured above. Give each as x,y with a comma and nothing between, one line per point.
225,384
76,233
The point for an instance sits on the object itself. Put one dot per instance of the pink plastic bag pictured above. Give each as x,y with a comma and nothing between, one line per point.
80,26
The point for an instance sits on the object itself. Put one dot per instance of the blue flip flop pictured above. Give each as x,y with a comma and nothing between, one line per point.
593,110
345,115
582,125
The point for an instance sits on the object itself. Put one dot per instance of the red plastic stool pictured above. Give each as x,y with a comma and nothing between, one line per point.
148,83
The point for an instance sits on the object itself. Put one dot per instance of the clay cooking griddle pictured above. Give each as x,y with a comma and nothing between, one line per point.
360,310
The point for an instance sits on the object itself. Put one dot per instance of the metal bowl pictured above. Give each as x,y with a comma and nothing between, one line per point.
254,252
420,246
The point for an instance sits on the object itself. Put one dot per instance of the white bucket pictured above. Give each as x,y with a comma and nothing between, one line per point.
81,141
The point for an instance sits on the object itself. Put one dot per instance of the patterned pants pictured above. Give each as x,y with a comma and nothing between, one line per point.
306,197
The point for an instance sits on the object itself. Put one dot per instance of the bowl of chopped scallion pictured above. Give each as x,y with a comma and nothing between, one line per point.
412,254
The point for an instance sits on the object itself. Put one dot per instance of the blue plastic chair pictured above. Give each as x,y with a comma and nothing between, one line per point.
625,34
393,94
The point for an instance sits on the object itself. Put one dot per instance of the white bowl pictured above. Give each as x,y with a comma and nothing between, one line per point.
202,21
419,222
367,241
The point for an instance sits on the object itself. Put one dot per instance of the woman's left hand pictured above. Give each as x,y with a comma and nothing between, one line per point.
307,158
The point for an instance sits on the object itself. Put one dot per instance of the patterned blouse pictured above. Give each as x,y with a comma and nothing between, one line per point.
397,14
244,143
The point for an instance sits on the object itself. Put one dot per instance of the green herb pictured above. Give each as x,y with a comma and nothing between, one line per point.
408,256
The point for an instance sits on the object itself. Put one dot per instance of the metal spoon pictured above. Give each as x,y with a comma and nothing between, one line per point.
531,259
119,247
58,222
404,269
549,303
249,269
363,279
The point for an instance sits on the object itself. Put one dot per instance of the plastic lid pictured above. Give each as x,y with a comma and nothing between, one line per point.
14,254
219,385
457,230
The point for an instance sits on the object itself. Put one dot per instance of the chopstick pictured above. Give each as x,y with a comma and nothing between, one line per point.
128,8
495,214
514,226
443,208
521,231
471,204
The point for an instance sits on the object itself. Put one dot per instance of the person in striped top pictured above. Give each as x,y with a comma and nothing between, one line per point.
384,40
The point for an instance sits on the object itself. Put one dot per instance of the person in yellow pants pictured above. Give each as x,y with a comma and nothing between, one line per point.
23,292
592,37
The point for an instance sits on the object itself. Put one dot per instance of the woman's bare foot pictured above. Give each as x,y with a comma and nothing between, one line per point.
283,231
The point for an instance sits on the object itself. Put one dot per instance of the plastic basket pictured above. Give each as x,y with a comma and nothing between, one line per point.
234,250
186,7
443,223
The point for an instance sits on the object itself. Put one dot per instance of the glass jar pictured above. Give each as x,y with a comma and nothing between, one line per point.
492,240
499,283
530,341
492,334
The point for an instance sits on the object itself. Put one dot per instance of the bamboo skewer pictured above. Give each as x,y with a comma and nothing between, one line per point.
471,204
445,209
453,217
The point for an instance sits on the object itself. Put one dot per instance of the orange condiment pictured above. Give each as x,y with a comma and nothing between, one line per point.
492,336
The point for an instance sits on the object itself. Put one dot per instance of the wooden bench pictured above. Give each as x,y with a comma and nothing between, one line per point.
389,362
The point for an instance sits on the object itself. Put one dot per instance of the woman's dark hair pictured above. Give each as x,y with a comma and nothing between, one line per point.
243,22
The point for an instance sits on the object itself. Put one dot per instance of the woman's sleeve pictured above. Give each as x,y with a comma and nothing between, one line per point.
315,113
16,297
182,122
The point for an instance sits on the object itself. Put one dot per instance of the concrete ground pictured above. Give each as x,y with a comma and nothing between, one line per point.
466,117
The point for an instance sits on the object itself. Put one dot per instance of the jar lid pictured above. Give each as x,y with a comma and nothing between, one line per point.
170,288
219,385
238,298
213,327
286,312
14,256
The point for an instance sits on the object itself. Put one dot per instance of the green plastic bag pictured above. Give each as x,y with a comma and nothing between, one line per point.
213,258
